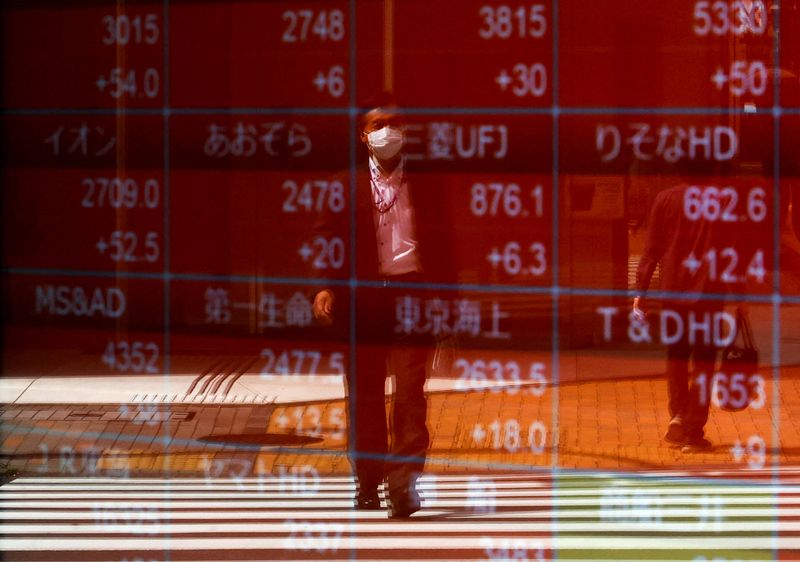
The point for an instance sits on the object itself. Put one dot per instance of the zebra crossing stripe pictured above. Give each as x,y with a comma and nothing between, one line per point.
118,512
439,542
468,517
199,503
415,525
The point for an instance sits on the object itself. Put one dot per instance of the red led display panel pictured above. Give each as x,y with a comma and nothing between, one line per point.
592,239
610,339
259,54
789,225
481,195
496,55
270,324
83,192
787,373
262,185
789,68
88,55
612,169
666,54
82,326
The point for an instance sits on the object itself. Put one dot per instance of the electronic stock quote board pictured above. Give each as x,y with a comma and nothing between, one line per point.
181,179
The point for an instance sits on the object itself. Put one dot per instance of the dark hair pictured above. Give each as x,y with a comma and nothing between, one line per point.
382,102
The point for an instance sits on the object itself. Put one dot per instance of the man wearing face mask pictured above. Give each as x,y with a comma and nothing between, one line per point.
395,249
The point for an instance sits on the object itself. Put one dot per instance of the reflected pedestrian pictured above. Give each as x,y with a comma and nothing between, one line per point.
671,239
395,249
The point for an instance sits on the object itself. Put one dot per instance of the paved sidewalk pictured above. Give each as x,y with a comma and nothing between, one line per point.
604,424
608,412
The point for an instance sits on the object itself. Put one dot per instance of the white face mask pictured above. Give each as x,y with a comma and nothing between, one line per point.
385,143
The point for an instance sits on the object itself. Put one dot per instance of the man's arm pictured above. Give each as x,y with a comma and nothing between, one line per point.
654,249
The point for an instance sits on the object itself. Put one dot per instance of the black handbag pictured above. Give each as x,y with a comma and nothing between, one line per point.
739,368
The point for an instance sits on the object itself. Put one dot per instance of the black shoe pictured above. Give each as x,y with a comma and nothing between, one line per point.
697,445
675,434
403,502
368,500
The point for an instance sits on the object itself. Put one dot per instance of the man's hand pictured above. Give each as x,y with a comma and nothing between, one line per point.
638,308
323,307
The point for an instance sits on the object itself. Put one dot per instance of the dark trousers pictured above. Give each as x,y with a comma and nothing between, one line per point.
688,399
397,451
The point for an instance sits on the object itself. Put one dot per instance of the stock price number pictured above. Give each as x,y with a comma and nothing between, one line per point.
743,78
312,420
331,81
499,376
123,30
516,549
131,356
754,452
304,25
505,200
524,80
514,261
723,265
313,196
290,362
511,436
505,22
123,246
732,392
721,18
714,204
633,506
120,193
313,536
323,253
121,82
132,518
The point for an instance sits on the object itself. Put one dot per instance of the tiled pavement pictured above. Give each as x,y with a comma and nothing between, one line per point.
608,412
601,424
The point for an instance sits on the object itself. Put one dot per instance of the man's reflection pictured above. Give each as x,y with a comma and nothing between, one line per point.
671,238
398,259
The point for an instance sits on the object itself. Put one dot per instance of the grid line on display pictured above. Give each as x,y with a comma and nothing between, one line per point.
167,224
167,230
409,110
776,266
351,284
352,189
555,298
545,290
